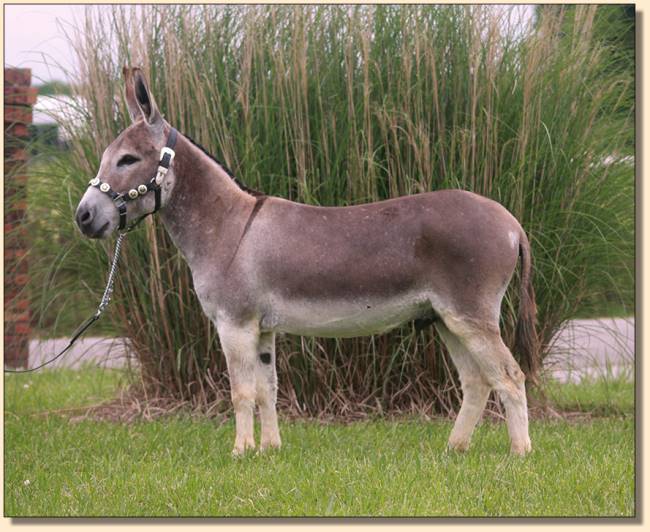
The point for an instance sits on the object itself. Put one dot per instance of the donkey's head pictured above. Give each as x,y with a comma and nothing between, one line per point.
127,166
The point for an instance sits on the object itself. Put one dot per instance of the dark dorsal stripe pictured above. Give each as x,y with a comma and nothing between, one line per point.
241,185
259,201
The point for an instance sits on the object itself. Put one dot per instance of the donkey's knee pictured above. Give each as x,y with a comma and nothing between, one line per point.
509,382
243,395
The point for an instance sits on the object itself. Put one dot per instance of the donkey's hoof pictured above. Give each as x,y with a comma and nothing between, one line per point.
521,448
270,444
458,446
238,452
241,449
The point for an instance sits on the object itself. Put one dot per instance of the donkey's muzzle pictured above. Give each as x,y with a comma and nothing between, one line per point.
85,218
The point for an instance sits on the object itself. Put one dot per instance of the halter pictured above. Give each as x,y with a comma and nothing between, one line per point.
120,199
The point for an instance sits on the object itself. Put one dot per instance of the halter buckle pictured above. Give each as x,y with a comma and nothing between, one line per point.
167,151
162,172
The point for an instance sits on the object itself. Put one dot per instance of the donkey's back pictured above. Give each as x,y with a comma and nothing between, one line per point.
352,271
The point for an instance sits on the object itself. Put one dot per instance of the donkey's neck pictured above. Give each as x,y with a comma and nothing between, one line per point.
207,208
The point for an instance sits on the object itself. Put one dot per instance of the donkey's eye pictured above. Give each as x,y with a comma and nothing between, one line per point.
126,160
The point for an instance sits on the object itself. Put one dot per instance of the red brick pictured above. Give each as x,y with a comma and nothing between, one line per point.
17,130
16,316
16,268
21,95
15,155
18,115
16,347
17,358
10,166
21,304
12,188
23,328
14,193
15,340
18,76
21,279
18,179
14,216
14,231
10,292
14,298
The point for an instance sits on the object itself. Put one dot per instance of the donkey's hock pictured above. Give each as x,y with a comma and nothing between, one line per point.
444,257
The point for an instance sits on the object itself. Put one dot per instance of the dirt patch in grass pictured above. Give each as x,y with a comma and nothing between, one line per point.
131,406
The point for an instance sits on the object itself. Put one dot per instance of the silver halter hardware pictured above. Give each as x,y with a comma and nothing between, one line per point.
162,170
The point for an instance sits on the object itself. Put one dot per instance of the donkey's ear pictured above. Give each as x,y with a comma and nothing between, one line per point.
129,93
138,98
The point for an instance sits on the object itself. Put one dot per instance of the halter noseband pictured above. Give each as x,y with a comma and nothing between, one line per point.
120,199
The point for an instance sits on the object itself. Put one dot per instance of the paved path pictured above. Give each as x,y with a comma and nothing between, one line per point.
593,348
584,348
103,352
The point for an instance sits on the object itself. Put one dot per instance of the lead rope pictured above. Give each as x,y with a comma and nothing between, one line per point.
108,292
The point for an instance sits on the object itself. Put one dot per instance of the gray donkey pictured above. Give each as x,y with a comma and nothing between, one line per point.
263,265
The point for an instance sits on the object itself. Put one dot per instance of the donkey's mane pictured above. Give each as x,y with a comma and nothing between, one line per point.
241,185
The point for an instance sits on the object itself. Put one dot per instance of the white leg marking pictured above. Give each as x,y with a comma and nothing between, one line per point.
499,368
475,391
240,348
266,391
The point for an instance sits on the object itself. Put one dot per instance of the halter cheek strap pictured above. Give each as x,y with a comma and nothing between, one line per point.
120,199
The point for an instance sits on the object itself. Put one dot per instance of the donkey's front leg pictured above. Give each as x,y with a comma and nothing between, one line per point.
267,390
239,343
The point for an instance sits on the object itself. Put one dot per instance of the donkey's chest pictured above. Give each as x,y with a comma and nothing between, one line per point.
342,317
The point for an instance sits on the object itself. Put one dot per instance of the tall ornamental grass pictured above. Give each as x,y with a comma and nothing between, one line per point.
340,105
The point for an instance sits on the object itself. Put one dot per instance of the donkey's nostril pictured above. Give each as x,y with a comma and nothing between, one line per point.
85,217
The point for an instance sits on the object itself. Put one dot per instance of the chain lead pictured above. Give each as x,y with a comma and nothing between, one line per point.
108,292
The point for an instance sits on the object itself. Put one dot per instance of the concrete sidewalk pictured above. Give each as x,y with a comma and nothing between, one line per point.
585,348
96,350
593,348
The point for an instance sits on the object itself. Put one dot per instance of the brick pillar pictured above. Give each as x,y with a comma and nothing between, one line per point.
19,98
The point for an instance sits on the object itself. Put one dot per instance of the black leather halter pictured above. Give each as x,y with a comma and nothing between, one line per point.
120,199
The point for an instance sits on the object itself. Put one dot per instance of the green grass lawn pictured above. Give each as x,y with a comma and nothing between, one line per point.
181,466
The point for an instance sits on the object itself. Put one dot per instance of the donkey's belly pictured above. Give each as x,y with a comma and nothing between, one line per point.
344,318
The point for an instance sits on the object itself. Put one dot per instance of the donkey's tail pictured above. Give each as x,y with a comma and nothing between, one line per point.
526,339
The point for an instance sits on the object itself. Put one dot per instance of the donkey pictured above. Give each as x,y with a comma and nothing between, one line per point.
262,265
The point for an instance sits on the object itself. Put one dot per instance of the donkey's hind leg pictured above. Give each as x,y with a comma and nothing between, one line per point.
475,390
266,391
500,370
